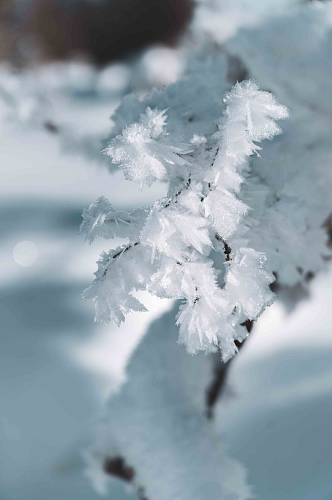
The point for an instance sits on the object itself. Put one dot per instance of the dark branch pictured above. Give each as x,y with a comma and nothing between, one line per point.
227,248
178,194
117,466
220,372
51,127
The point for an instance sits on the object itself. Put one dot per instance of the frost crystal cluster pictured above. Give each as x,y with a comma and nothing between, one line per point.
195,244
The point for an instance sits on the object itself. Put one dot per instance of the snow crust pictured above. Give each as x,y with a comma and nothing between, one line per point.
157,423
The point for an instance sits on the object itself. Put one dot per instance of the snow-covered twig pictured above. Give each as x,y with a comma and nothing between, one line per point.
170,244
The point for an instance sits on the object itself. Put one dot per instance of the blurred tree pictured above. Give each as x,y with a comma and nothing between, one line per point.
101,30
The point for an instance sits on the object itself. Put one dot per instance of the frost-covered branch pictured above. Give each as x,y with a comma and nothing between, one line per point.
231,222
170,244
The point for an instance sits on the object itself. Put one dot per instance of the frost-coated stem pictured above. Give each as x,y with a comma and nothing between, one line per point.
170,243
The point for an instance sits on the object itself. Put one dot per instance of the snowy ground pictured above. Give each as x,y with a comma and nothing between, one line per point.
277,417
57,366
54,377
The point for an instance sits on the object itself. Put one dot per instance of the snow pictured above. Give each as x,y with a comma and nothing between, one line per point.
295,196
274,416
172,231
157,423
276,412
271,433
143,153
53,384
38,169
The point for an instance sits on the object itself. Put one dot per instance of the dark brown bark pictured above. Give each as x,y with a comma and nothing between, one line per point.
102,31
116,466
220,372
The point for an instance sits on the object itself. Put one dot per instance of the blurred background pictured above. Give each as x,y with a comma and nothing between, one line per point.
64,67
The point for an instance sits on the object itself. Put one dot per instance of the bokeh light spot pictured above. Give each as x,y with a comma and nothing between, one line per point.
25,253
